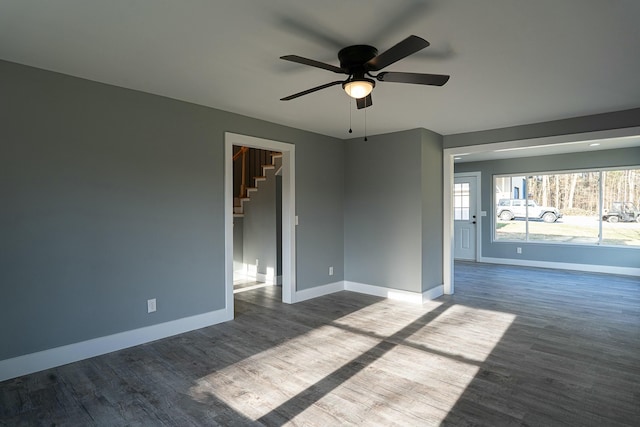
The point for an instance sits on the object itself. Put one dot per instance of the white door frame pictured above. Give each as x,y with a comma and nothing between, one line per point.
479,213
288,212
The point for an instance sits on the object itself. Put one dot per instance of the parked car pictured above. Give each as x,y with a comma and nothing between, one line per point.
622,211
509,209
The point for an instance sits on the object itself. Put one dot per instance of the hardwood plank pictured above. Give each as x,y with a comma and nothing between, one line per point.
513,346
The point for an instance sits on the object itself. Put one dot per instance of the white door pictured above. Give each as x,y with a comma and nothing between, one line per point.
465,221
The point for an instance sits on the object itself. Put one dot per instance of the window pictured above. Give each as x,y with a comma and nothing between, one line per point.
621,213
461,201
585,207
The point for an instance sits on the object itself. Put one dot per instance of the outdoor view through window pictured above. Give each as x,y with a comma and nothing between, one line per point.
589,207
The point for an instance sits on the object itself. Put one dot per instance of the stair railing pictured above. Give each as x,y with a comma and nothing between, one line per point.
243,184
251,165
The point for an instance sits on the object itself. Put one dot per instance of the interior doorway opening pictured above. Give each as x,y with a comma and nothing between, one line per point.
503,150
284,208
257,218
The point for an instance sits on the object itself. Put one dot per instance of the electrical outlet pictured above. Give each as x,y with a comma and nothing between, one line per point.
151,305
330,271
257,262
518,250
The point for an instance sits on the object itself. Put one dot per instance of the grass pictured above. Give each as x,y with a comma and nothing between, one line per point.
579,231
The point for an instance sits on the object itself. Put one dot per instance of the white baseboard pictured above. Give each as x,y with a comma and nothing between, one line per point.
258,277
268,279
592,268
396,294
34,362
378,291
318,291
433,293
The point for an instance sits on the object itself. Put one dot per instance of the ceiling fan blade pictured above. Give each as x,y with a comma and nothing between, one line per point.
313,89
303,26
406,12
365,102
406,47
313,63
415,78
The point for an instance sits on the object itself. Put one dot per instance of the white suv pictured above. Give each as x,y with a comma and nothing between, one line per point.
509,209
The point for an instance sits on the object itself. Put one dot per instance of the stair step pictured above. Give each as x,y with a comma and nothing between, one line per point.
238,203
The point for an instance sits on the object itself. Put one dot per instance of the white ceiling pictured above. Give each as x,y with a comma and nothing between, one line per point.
547,146
511,61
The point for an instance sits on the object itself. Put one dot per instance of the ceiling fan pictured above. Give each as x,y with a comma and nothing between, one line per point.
359,61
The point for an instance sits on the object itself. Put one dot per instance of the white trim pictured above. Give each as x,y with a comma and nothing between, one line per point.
448,243
34,362
395,294
288,212
433,293
228,224
269,279
319,291
592,268
378,291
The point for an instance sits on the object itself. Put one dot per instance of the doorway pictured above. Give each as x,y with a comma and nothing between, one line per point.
288,212
466,224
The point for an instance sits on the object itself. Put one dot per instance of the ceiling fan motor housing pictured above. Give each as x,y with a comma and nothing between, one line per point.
353,58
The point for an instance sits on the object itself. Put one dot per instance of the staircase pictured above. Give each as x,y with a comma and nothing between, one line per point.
250,167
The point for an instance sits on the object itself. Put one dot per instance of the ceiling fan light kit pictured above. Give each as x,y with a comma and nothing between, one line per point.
358,88
358,61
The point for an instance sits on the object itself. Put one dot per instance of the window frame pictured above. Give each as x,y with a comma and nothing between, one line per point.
527,175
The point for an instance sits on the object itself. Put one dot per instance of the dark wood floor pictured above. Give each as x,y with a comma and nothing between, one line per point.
513,346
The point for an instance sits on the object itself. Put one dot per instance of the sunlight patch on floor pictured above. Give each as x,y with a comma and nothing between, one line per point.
252,287
384,318
464,332
262,382
389,357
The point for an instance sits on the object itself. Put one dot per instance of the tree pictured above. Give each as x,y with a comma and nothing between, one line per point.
572,190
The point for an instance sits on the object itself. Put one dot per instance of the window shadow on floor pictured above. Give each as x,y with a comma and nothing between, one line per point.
571,356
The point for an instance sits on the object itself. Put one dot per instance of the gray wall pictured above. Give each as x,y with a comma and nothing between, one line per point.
320,184
112,196
391,181
432,216
580,254
238,242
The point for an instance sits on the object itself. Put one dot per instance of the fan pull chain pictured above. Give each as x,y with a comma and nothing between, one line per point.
365,124
350,103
